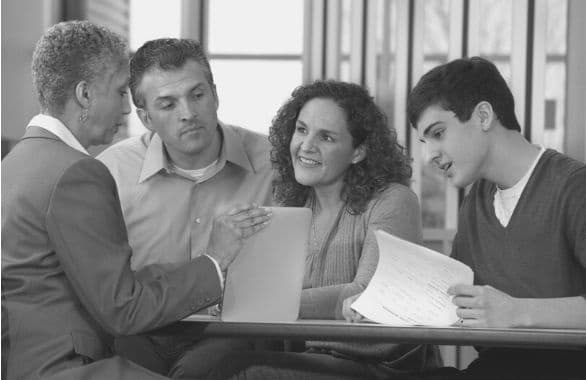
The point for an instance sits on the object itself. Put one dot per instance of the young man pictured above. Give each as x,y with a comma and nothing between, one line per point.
522,226
175,179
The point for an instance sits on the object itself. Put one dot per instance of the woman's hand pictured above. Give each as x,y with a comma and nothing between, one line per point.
349,314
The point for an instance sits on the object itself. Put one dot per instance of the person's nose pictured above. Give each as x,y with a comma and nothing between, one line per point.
308,143
186,110
432,153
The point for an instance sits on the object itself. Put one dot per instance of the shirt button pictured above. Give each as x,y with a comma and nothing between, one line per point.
197,220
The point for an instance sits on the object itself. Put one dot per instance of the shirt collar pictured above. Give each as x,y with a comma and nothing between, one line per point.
154,158
232,150
56,127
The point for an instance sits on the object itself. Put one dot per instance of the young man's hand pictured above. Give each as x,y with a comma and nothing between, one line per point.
485,306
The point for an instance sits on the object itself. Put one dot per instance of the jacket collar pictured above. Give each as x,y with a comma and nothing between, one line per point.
57,129
33,131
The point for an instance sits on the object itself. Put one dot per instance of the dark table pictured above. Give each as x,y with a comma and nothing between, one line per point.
368,332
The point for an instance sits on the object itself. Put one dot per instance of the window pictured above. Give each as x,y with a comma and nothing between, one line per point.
143,15
555,74
254,74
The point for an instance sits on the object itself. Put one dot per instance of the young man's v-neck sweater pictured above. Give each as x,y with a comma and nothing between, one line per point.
542,251
540,254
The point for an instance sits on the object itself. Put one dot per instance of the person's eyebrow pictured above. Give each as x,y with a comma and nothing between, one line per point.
426,131
319,130
199,86
164,98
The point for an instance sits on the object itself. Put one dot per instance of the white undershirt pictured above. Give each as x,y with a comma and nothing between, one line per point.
195,174
506,200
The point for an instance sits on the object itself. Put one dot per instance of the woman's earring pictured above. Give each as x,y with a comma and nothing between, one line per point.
83,117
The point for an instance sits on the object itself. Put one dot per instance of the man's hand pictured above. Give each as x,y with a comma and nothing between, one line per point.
485,306
230,230
349,314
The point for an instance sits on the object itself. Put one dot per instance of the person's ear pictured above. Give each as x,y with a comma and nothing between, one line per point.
216,99
359,154
82,94
144,117
485,115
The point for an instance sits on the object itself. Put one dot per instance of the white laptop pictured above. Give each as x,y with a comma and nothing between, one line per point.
264,281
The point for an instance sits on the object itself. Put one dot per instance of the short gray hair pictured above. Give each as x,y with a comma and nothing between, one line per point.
70,52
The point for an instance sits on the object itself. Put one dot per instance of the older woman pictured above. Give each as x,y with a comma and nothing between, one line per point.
67,285
335,154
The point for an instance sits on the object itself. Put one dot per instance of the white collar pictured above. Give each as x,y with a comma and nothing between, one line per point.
56,127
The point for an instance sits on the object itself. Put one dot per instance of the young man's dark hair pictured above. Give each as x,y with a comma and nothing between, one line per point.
521,225
459,86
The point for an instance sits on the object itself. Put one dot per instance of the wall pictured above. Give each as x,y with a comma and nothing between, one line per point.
576,90
22,25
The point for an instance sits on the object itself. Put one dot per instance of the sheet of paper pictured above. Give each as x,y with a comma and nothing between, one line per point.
410,284
264,282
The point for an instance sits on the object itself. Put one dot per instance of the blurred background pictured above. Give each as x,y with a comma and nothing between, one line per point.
260,50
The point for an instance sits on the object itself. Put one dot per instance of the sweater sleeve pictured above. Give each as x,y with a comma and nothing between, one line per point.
576,214
575,207
395,211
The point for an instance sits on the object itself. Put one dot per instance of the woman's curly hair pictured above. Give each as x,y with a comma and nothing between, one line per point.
385,161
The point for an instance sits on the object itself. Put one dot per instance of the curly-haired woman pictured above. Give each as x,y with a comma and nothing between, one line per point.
335,153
